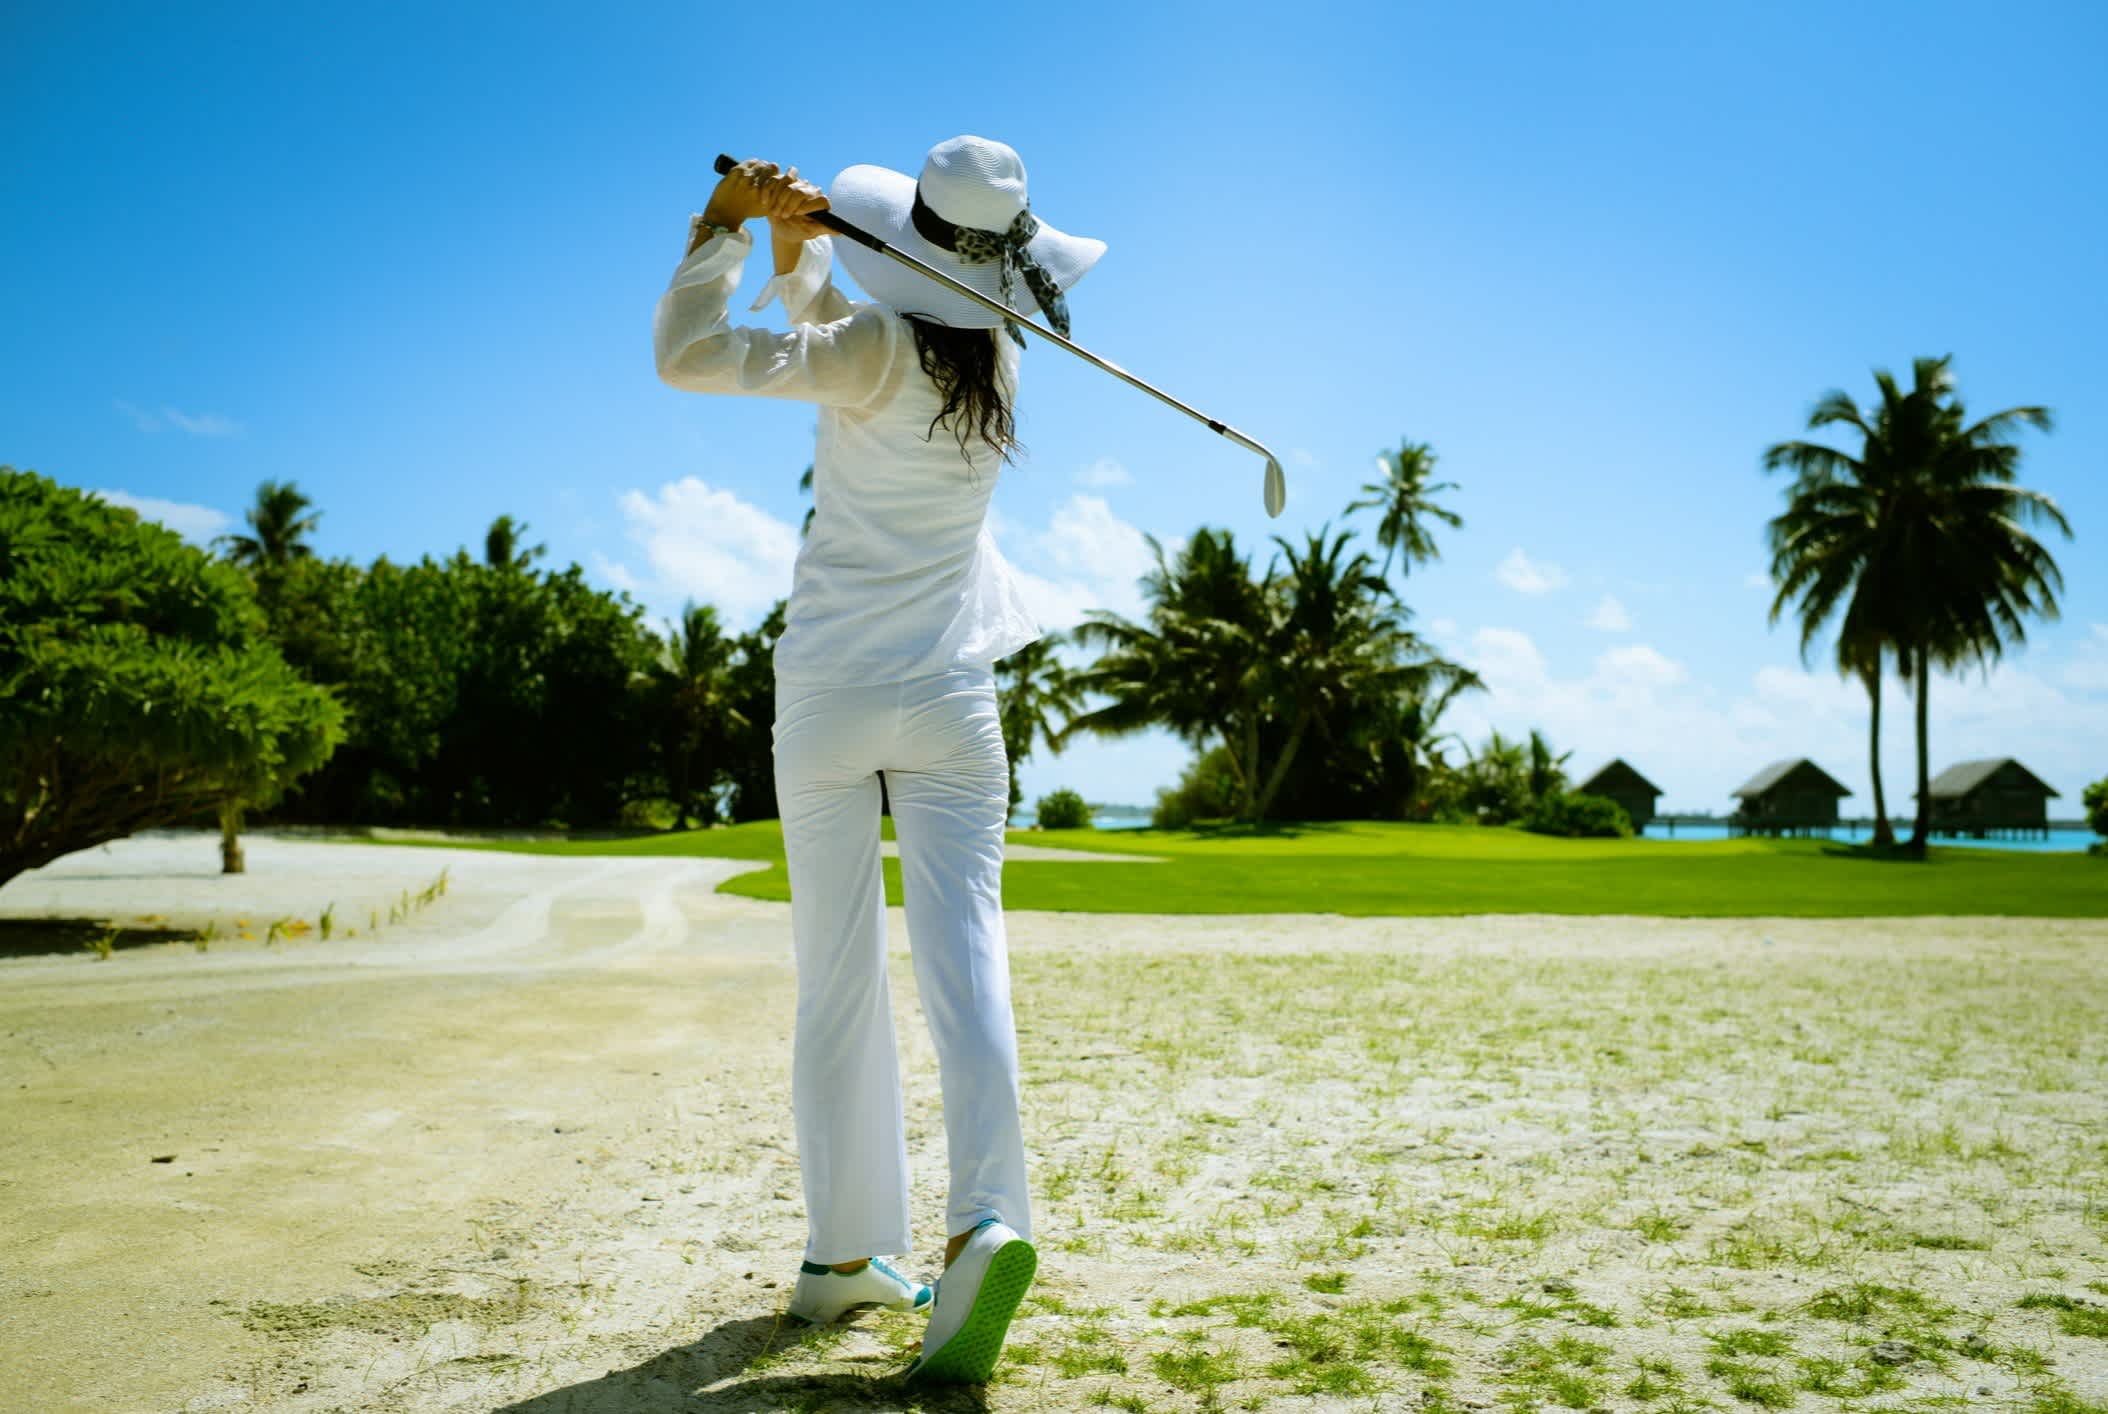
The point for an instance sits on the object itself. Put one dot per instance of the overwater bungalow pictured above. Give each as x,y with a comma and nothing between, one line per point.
1794,797
1991,799
1627,787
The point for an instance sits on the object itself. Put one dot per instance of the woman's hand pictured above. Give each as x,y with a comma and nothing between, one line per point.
756,188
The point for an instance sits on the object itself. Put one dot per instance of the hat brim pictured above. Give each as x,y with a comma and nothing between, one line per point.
880,201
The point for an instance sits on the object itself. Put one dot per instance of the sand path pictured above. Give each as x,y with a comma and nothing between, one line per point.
527,1149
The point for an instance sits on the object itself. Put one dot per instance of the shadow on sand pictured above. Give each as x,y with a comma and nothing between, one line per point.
38,937
709,1376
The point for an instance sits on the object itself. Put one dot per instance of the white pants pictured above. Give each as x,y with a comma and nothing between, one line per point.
939,741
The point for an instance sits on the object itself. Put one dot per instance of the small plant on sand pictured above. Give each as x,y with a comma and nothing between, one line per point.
207,935
328,920
101,945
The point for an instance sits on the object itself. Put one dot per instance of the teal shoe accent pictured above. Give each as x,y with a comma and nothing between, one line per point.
969,1356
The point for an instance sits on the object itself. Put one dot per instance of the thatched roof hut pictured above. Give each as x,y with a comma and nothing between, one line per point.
1998,796
1628,788
1794,797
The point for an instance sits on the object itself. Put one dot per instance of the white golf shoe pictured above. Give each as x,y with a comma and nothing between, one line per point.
976,1297
825,1295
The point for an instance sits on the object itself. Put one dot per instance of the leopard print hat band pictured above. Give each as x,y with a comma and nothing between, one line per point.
1009,247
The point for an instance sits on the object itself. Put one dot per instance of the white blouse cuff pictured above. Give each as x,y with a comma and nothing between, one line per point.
801,286
723,254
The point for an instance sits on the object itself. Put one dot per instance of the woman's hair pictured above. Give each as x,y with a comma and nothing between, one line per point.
962,363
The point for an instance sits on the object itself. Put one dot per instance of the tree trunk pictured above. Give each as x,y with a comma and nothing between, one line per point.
231,861
1921,831
1280,771
1248,773
1884,837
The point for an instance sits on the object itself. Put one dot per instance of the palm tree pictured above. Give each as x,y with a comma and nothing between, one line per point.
1035,686
696,717
1417,720
501,545
1829,549
1194,664
1406,502
280,529
1928,522
805,485
1547,775
1257,663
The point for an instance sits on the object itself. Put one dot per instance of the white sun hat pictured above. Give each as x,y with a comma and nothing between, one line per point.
968,216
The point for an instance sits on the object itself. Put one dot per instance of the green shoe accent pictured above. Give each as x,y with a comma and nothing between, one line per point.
969,1356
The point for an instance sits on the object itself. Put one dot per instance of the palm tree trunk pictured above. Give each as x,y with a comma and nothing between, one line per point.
1279,774
1921,831
1884,837
1248,772
231,859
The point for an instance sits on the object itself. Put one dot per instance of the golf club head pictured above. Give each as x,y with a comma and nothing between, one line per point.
1276,488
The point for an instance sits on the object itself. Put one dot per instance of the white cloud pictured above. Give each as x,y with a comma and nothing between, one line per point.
1638,665
1527,576
706,544
2088,669
1086,558
1302,457
197,524
204,424
141,418
1442,628
1610,616
1104,472
1756,580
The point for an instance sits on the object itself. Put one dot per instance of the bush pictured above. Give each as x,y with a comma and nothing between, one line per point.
1207,791
2096,799
1063,810
1575,815
137,686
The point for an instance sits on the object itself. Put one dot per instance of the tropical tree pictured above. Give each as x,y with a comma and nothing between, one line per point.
280,523
138,686
1951,570
692,675
1035,687
501,545
1547,773
1340,644
1829,548
805,485
1497,780
1261,664
1404,502
750,769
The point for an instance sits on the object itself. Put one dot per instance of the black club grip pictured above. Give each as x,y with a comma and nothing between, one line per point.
725,163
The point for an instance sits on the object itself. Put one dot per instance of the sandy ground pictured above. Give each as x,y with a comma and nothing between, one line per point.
527,1147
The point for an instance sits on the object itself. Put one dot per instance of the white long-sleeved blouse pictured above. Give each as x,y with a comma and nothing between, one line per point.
898,577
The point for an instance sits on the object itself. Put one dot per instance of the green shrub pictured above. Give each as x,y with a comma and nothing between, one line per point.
1577,815
1206,791
1063,810
2097,806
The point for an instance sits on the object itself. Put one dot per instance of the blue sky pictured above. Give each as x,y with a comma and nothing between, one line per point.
1599,256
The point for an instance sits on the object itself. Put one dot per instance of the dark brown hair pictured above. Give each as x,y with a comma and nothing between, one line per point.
962,363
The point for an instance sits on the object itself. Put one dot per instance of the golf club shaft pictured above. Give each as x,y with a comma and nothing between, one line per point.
994,306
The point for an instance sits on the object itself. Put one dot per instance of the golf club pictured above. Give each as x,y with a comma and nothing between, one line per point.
1276,484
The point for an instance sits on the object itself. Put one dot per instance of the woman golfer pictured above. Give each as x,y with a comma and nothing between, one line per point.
899,605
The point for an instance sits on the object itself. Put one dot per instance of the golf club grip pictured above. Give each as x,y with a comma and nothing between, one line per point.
726,162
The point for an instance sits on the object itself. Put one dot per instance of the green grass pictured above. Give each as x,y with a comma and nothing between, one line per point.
1390,869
